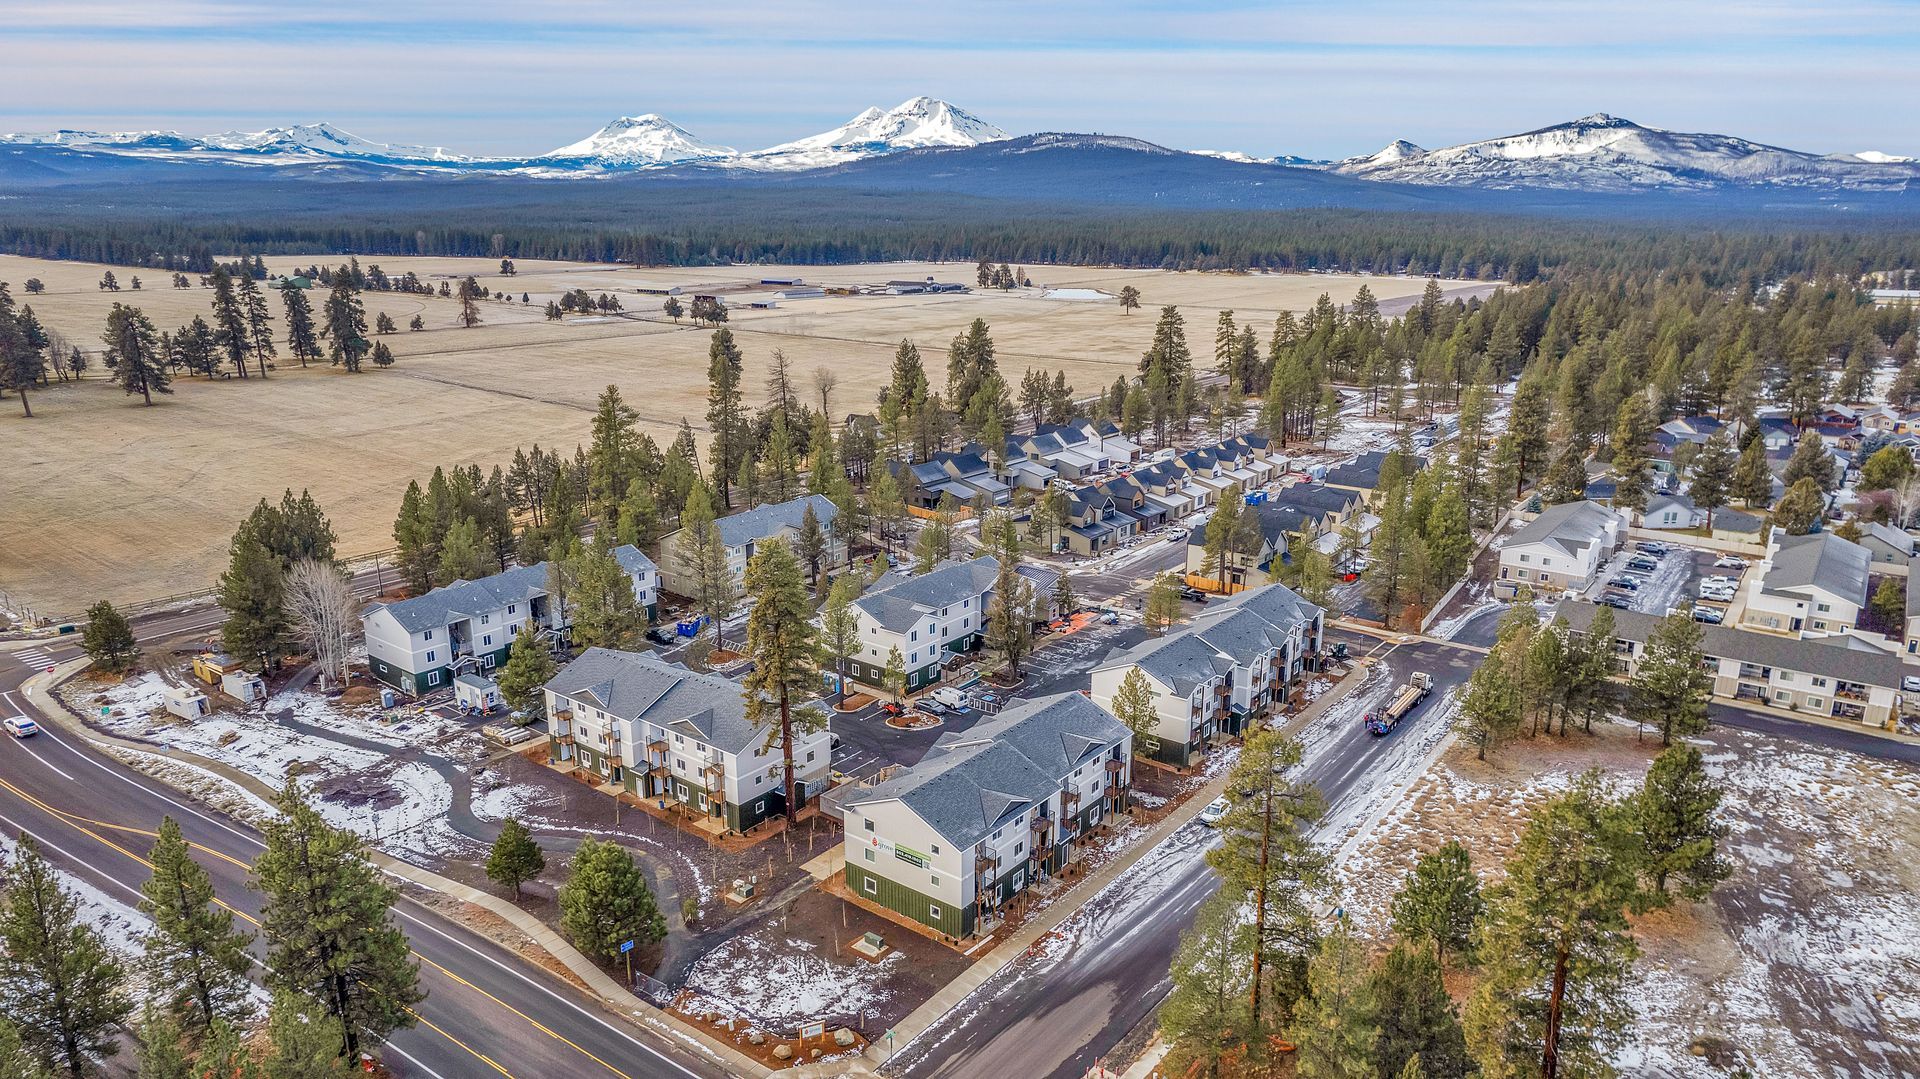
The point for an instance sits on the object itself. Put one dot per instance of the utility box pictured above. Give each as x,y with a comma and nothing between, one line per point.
244,686
186,702
475,694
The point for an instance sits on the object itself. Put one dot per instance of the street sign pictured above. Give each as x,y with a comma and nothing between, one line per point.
813,1030
626,945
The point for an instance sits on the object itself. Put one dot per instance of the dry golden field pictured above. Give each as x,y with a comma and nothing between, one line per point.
101,497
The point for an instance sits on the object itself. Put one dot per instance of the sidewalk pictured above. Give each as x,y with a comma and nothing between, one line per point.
1015,946
616,998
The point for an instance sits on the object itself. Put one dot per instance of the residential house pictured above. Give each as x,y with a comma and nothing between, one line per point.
928,617
657,730
1095,523
419,645
1073,452
1887,545
1738,527
1362,474
1560,550
1130,497
1666,511
965,476
1839,677
1246,569
987,813
1210,679
1808,586
743,533
1162,484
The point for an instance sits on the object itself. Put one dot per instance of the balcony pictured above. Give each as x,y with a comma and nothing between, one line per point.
1851,691
563,739
1069,800
715,774
614,760
984,865
658,745
1223,690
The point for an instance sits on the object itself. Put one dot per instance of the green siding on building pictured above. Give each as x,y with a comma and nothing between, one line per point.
955,920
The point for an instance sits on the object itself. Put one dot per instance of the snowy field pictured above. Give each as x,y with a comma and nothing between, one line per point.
785,984
1801,965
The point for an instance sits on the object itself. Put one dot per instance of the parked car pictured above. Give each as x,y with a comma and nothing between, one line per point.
1710,615
663,635
1617,601
1192,594
1729,562
1631,584
1719,581
931,707
1644,565
1649,547
22,727
1911,683
1215,810
1179,535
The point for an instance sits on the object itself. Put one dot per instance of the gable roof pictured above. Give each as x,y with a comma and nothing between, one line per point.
1315,496
970,782
633,560
1180,661
1734,521
763,521
1844,656
462,599
1820,560
640,686
899,602
1901,542
1570,527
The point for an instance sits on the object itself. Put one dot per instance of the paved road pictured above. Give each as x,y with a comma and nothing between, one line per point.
1058,1013
489,1013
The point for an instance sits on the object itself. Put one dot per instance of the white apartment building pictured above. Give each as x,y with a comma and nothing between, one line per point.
1808,586
927,617
744,532
1562,550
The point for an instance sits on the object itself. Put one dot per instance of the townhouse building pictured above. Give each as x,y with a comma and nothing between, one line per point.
964,476
1563,549
1837,677
659,731
1232,667
928,617
744,532
419,645
1808,586
987,813
1095,523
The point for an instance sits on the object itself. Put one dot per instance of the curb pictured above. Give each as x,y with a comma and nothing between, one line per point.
600,984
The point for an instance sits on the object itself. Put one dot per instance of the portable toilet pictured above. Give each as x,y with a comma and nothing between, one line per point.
243,686
475,694
186,702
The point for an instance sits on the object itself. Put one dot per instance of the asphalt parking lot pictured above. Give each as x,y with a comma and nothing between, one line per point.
1673,582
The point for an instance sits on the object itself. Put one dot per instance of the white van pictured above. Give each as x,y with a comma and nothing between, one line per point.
952,697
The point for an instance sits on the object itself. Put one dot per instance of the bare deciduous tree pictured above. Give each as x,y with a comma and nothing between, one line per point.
321,608
825,381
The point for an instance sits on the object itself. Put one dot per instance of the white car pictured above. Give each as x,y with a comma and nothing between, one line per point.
1215,810
1729,562
21,727
1910,683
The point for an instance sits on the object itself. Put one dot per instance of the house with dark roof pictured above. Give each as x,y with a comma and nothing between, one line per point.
1130,497
1095,523
1560,550
1362,474
1808,586
1231,667
1245,569
1887,545
658,730
743,533
964,476
420,645
1732,524
928,617
1839,677
987,813
1670,511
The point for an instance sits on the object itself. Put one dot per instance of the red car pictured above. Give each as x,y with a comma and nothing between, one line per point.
888,708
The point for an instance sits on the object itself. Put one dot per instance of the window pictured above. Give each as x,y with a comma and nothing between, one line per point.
1815,702
871,888
936,848
427,636
936,884
485,618
1819,681
429,655
933,911
809,756
433,678
1823,608
760,806
513,608
1526,558
869,823
914,635
486,639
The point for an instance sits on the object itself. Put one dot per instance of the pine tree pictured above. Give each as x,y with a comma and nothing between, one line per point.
328,924
414,531
1669,688
253,594
1490,711
810,543
346,325
606,613
1335,1028
1752,480
1419,1026
1711,483
108,639
194,954
702,561
1133,705
469,295
529,667
894,675
1440,902
1810,460
1800,509
133,353
726,416
463,554
1886,469
515,858
22,364
1632,466
302,336
612,449
253,304
61,988
1010,613
303,1041
840,626
162,1050
1266,859
1555,947
606,902
1162,607
231,321
1673,816
1205,1015
1129,299
780,640
1524,447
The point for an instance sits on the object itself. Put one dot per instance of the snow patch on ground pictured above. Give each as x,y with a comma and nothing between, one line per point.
787,982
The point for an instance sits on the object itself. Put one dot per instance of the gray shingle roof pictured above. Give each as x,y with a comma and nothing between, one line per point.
763,521
639,686
1821,560
1313,496
971,782
633,559
1735,521
1570,527
1845,656
897,602
1276,604
462,599
1179,660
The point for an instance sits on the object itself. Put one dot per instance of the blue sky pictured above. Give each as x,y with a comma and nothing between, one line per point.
1327,80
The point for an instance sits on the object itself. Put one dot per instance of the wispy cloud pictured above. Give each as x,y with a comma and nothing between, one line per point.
490,76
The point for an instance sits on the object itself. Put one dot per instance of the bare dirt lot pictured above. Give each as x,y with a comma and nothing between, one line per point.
1801,964
103,497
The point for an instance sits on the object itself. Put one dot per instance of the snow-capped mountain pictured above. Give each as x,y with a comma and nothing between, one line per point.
1606,153
916,124
646,141
300,142
1243,158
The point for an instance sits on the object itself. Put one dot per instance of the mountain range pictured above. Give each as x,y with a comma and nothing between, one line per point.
1598,154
